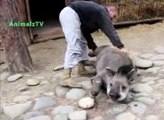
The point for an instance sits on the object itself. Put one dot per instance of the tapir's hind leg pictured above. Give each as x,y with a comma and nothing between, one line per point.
97,84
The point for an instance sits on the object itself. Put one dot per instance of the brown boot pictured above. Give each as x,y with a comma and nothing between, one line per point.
67,81
80,70
66,75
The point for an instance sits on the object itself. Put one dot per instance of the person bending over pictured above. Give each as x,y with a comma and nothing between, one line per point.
78,20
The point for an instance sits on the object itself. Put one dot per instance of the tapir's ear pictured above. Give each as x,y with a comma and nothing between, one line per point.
109,71
132,73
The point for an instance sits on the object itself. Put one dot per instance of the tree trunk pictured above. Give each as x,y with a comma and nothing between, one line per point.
16,51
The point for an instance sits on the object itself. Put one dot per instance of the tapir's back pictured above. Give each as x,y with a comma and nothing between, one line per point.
108,57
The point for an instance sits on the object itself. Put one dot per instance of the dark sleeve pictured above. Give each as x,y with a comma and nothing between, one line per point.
107,27
91,44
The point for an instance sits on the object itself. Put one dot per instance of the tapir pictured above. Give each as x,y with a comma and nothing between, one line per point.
114,71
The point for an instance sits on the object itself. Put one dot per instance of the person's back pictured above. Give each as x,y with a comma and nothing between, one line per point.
90,14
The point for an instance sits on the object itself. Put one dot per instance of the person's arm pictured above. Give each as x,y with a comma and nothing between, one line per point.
107,27
91,44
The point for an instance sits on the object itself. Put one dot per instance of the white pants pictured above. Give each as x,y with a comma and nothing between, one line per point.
76,43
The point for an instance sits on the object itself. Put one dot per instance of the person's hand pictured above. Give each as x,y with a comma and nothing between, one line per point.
124,51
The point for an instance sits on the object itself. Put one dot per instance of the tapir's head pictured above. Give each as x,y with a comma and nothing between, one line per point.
117,85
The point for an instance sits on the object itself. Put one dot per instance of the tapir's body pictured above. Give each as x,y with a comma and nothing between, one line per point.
114,71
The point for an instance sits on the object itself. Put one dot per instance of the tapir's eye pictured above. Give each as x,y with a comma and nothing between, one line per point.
111,85
123,87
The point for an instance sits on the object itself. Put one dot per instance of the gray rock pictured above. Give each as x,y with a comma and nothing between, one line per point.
63,110
43,103
22,98
49,94
42,117
146,100
16,110
117,108
142,63
4,75
61,91
152,117
15,77
126,116
78,115
98,118
148,79
158,63
61,117
143,88
146,56
75,94
86,102
29,115
138,107
153,70
23,88
158,57
32,82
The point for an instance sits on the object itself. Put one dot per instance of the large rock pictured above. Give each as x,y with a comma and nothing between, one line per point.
116,109
86,102
16,110
32,82
61,91
30,115
4,75
75,94
78,115
43,103
142,63
63,110
61,117
158,57
152,117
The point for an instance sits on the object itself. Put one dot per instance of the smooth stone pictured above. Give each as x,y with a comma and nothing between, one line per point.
63,110
43,103
32,82
75,94
23,88
16,110
29,115
78,115
15,77
158,63
152,117
44,82
59,67
61,91
60,117
98,118
153,70
142,63
42,117
143,88
148,79
116,109
86,102
146,55
146,100
138,107
4,75
49,94
158,57
126,116
22,98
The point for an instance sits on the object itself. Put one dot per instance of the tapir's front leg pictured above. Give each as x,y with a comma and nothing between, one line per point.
97,84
